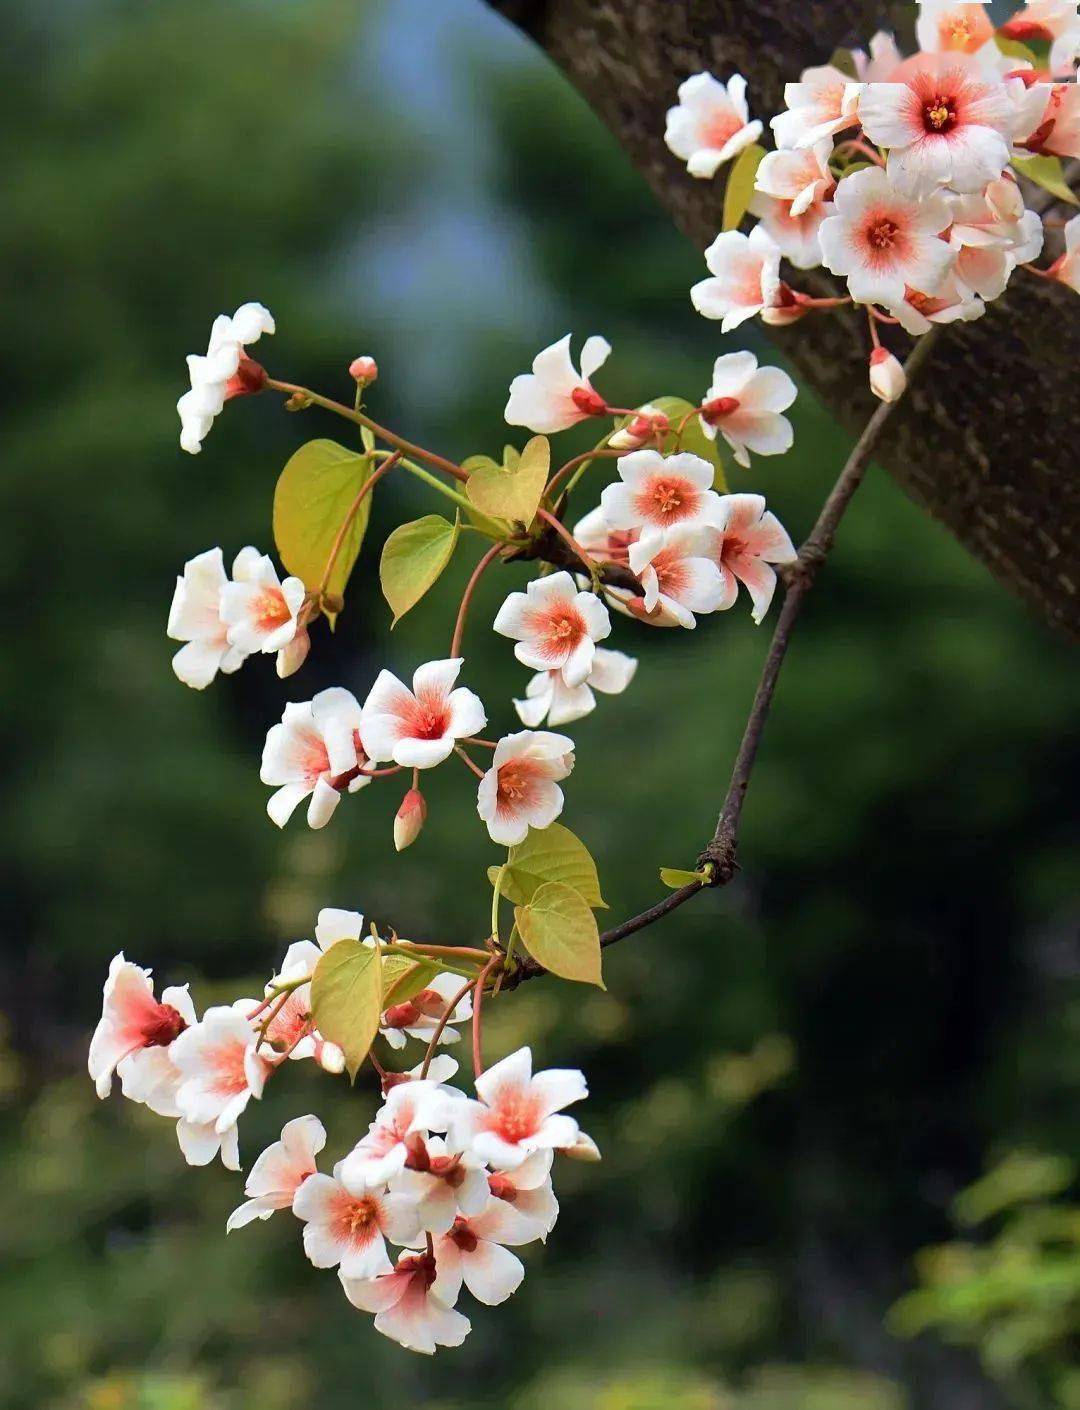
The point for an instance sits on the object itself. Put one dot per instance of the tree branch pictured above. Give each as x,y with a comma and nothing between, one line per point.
719,857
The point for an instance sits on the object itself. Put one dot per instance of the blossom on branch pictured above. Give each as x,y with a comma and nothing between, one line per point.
660,492
195,618
260,612
678,576
744,404
418,728
521,789
555,395
548,697
745,277
220,1066
133,1021
517,1113
315,752
556,627
745,549
223,373
819,106
711,123
348,1229
278,1173
953,26
406,1308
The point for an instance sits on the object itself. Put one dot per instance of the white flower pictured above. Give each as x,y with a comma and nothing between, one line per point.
418,728
200,1143
1051,126
472,1251
260,612
421,1015
132,1020
947,123
279,1172
885,242
347,1229
954,302
315,753
953,26
407,1310
517,1114
746,277
555,395
556,627
521,789
440,1183
403,1121
548,697
678,577
818,107
528,1190
711,123
792,197
750,542
219,1066
881,63
220,374
744,404
195,618
660,492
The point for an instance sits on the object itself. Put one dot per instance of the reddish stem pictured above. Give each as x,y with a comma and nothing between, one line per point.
478,1001
354,509
604,453
567,537
466,598
450,1007
465,759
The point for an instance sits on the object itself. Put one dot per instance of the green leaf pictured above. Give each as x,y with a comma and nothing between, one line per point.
676,880
403,979
549,854
740,185
560,932
346,999
367,438
694,438
1016,50
413,559
314,495
1048,173
514,493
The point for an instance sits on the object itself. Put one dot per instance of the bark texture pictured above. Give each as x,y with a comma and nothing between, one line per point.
988,443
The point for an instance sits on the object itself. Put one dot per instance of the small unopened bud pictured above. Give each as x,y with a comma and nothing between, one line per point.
584,1148
646,425
887,377
331,1058
299,401
409,819
364,370
291,657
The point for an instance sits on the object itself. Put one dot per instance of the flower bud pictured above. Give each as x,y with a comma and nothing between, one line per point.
364,370
887,377
584,1148
410,819
646,424
291,657
331,1058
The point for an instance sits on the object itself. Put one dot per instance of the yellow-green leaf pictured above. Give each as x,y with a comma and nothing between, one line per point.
314,495
1048,173
560,931
512,494
549,854
413,559
694,439
740,185
1016,50
346,999
676,880
403,979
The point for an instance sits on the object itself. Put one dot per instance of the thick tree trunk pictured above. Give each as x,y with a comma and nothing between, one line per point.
989,442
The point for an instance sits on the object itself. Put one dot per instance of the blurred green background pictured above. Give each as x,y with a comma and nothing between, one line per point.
793,1080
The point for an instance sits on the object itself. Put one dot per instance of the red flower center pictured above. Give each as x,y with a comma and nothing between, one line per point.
270,610
939,114
463,1236
162,1025
882,234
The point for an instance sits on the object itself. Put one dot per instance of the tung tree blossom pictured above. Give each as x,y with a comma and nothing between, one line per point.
710,124
556,627
555,395
419,727
521,789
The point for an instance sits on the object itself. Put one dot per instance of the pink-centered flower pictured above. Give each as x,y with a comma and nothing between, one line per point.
953,26
440,1184
1055,22
473,1251
791,199
528,1190
201,1143
518,1113
279,1172
660,492
315,752
751,541
418,728
884,242
745,279
420,1016
945,121
224,372
349,1230
744,404
711,123
220,1067
818,108
1055,128
195,618
260,612
132,1020
555,395
679,578
548,697
521,789
954,302
402,1123
556,627
406,1308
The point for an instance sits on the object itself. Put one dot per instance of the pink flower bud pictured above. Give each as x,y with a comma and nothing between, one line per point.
364,370
410,819
291,657
887,378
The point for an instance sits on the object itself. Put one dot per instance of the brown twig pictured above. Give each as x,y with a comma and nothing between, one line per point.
721,850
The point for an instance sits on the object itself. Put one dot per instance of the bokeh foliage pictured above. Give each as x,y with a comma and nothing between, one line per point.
793,1079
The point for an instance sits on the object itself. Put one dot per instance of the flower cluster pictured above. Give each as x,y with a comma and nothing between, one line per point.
453,1182
899,175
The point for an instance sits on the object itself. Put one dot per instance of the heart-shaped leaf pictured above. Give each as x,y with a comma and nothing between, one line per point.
413,559
512,493
403,979
740,185
346,999
315,493
560,930
549,854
